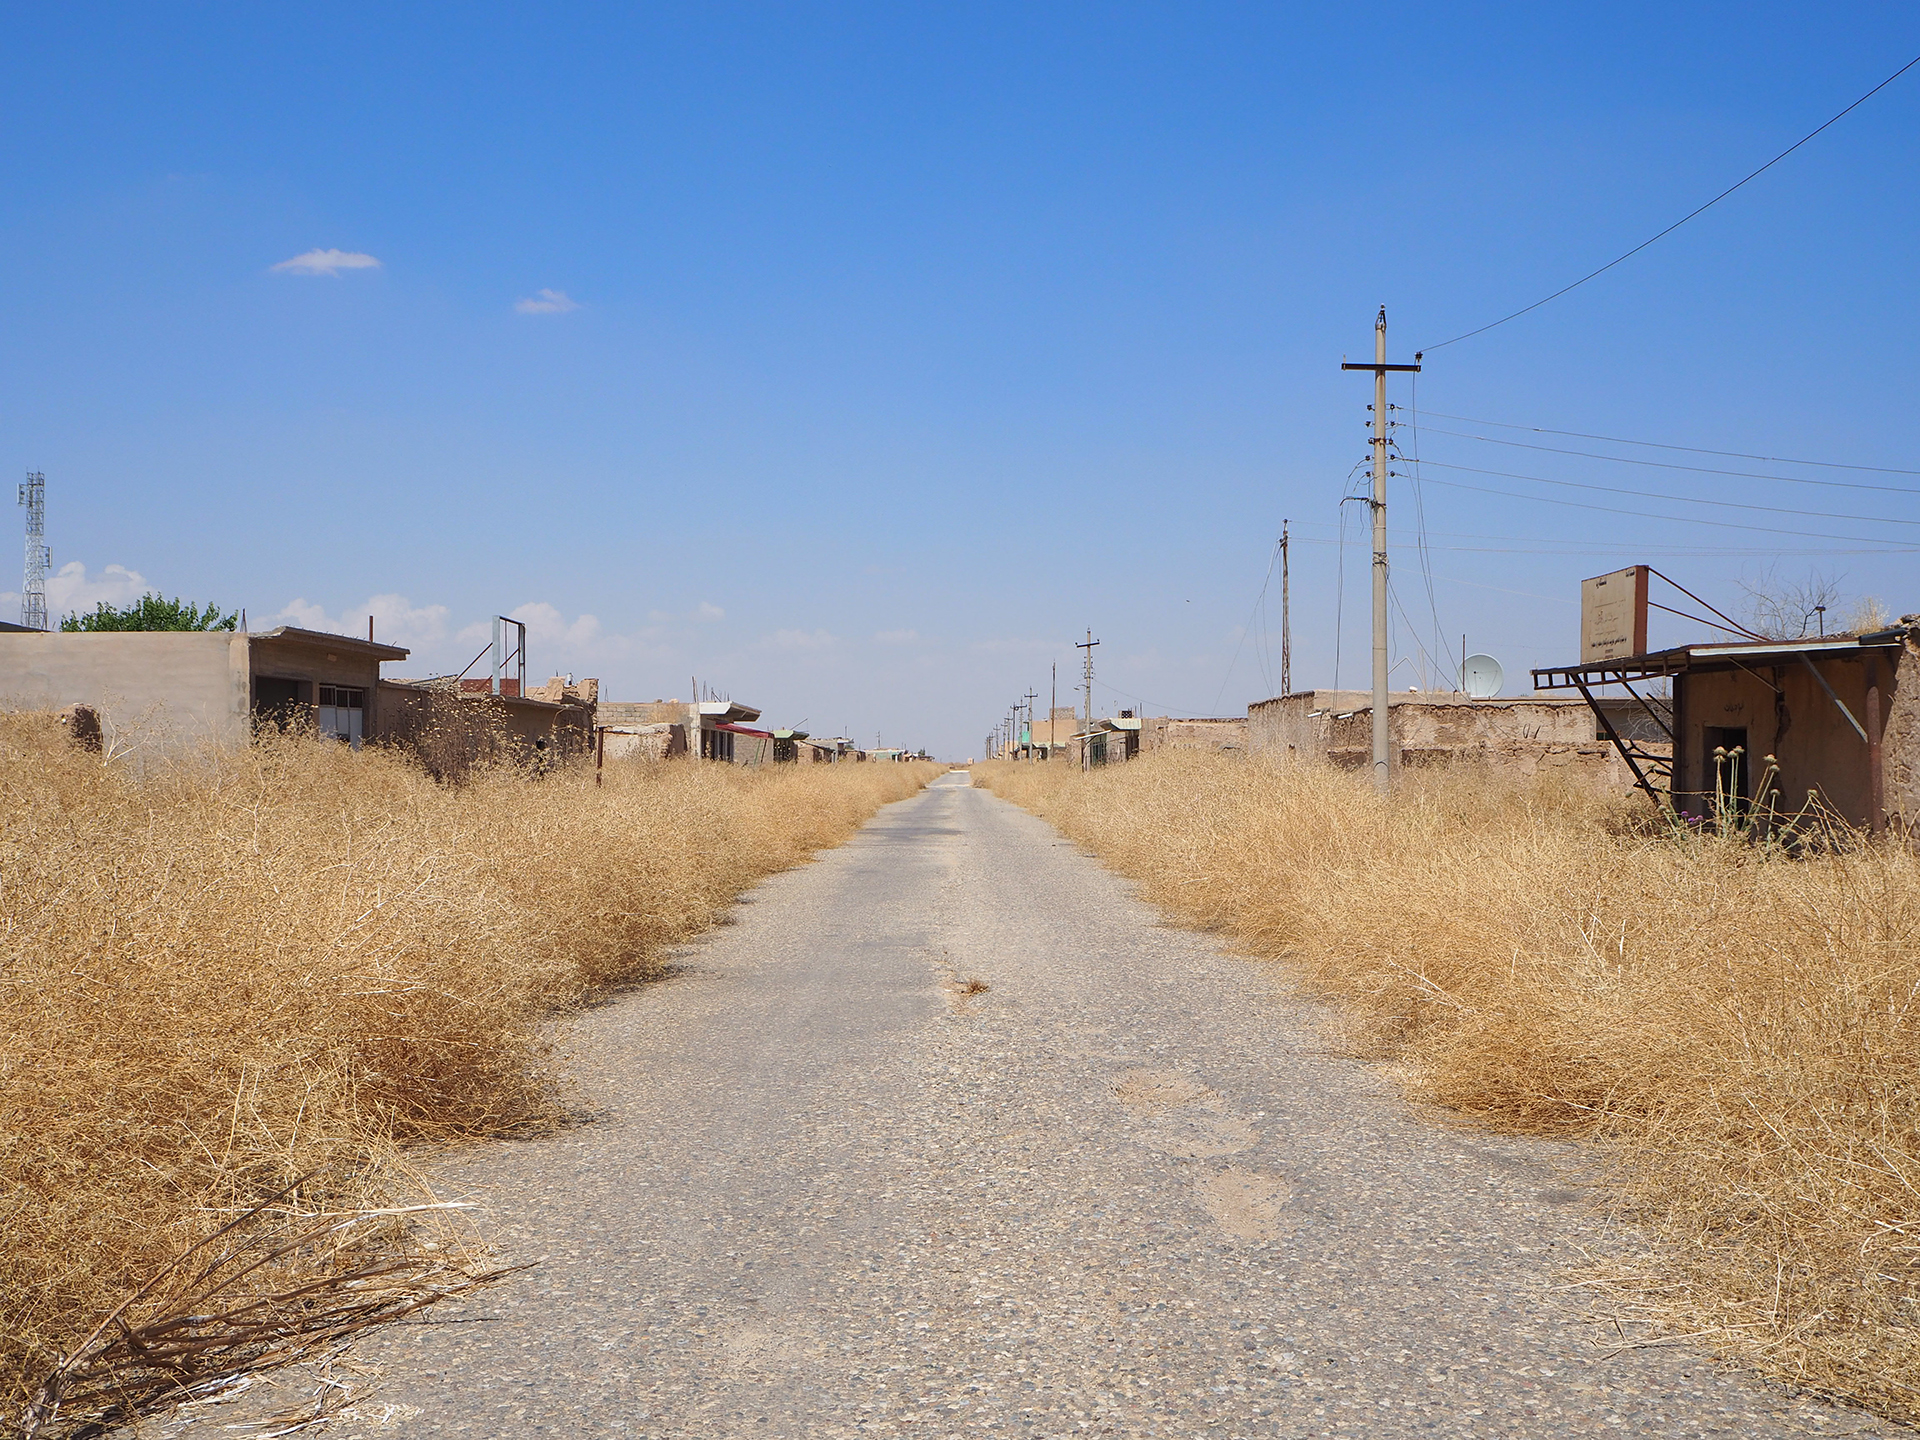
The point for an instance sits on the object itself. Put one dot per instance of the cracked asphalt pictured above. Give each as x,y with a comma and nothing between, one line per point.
1124,1190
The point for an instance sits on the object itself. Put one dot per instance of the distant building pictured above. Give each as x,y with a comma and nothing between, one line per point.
1227,734
1428,728
711,729
453,724
1116,739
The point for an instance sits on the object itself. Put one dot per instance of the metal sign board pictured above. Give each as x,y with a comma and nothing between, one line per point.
1613,615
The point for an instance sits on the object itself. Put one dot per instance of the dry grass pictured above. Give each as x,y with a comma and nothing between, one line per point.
1737,1026
295,962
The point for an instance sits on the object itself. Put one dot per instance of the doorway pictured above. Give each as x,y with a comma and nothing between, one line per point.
1726,775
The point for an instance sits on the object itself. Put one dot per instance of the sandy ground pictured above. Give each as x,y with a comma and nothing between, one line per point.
1127,1189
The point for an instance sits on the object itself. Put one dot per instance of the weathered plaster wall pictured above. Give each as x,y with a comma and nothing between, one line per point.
1901,739
157,691
1336,726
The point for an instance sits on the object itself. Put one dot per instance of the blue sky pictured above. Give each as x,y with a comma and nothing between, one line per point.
901,344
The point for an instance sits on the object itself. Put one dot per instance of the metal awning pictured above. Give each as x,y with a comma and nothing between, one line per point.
1691,657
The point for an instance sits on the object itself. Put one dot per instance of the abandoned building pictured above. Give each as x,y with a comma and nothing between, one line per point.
711,729
1834,719
1116,739
173,690
1219,735
1434,727
454,723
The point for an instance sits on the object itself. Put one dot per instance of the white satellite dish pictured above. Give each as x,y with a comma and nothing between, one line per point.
1483,676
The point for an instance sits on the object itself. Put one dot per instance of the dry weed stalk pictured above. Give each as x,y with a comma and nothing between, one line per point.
1736,1022
233,972
276,1284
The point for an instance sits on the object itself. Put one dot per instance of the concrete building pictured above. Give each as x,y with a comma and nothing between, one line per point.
1433,727
1217,735
1116,739
454,725
174,690
1775,722
711,729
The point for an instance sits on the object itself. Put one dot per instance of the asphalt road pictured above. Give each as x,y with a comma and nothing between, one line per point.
1125,1190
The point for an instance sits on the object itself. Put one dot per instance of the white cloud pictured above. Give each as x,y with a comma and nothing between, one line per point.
396,620
897,637
326,262
547,302
71,588
546,626
708,612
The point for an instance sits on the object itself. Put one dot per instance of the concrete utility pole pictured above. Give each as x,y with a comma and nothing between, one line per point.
1380,367
1031,697
1087,674
1286,620
1087,683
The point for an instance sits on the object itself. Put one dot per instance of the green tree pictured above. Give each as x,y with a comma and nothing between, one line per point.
151,612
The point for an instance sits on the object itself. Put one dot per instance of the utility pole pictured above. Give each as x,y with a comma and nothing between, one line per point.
1380,367
1286,620
1031,697
1087,729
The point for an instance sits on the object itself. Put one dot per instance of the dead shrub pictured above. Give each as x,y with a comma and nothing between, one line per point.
226,974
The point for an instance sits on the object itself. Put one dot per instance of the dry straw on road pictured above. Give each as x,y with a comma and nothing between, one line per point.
288,966
1737,1024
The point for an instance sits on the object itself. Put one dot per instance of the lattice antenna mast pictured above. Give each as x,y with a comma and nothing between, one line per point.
33,594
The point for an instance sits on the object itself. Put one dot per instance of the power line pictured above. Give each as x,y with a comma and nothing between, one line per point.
1420,518
1647,514
1677,499
1689,449
1265,580
1684,218
1694,469
1575,548
1878,547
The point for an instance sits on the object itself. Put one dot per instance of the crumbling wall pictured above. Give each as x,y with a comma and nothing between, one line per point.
658,741
1900,733
1167,733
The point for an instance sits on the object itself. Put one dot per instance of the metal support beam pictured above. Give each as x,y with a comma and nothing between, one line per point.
1858,728
1639,776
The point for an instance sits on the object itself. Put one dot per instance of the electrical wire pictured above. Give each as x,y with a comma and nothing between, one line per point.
1689,449
1677,499
1340,591
1265,581
1647,514
1683,219
1702,552
1413,632
1420,519
1695,469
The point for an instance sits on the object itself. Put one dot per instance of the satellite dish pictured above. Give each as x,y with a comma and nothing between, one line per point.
1483,676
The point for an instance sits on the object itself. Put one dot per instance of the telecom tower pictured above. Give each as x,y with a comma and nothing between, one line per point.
33,594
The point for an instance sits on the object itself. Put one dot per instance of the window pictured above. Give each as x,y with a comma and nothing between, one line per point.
278,702
342,714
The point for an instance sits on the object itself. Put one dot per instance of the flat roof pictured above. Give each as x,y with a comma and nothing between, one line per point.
321,638
1687,657
727,711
